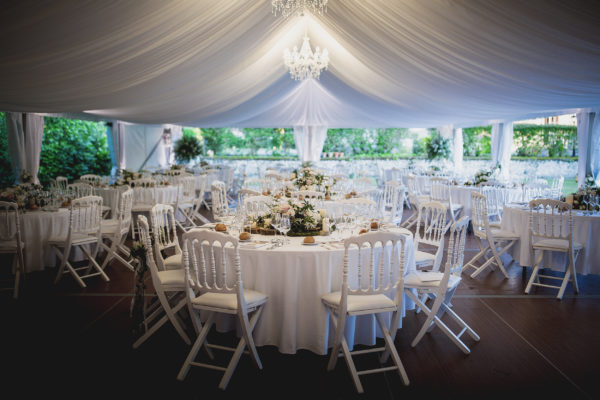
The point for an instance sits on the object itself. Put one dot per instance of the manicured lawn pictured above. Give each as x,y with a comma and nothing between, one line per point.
569,186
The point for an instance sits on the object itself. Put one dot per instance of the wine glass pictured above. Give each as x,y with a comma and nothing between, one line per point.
276,223
585,200
285,226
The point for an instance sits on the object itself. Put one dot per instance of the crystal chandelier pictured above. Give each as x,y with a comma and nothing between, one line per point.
288,7
305,64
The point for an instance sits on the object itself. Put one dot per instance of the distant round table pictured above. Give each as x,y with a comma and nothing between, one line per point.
586,230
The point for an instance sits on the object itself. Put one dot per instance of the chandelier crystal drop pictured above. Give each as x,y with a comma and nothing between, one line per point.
305,64
288,7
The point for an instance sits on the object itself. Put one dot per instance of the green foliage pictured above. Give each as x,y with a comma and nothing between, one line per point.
6,175
437,147
187,148
354,142
477,141
72,148
545,140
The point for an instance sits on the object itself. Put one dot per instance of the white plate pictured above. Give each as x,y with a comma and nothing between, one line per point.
244,240
310,244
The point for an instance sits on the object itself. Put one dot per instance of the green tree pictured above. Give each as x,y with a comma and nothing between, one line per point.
6,174
72,148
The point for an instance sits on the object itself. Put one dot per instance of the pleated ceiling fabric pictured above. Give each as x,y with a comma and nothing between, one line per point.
402,63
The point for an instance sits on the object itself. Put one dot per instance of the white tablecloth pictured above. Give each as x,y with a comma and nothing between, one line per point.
295,277
164,195
462,195
36,228
586,230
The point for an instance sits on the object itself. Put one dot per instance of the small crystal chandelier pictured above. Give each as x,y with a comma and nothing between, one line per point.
305,64
288,7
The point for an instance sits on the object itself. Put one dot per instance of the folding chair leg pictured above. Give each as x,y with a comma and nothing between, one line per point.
389,341
196,347
335,350
351,366
535,272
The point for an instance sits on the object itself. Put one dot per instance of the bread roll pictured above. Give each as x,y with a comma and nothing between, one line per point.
245,236
309,239
220,228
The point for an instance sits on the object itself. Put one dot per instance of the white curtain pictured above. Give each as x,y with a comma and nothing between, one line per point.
457,148
25,132
502,136
588,146
309,142
408,63
115,133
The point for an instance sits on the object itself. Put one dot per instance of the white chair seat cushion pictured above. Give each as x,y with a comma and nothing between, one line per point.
502,234
76,239
186,205
173,262
141,207
423,258
173,277
228,301
424,279
9,246
495,225
559,244
358,303
110,226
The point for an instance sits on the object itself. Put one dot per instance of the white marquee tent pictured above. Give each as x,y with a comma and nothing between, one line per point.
402,63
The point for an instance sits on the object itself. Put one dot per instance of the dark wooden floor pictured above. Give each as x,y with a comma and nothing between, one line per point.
61,341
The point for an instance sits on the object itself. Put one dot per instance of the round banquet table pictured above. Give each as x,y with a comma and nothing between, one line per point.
462,195
164,195
36,228
586,230
294,277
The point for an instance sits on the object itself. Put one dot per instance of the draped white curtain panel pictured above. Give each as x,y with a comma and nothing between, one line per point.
403,63
25,132
502,137
588,146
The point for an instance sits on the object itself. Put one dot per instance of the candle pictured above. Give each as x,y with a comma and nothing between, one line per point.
569,199
325,224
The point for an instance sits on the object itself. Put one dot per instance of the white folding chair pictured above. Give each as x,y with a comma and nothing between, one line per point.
495,238
84,230
115,232
166,243
492,199
393,202
242,194
10,240
440,286
366,280
61,183
557,187
551,229
213,278
80,189
220,206
91,179
144,198
186,203
257,204
170,292
432,217
440,191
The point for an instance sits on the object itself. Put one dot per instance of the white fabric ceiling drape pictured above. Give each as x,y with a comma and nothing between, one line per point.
25,132
405,63
588,146
309,141
502,136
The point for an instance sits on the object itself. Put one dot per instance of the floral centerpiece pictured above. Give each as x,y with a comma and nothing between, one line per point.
485,175
304,219
577,198
308,179
28,196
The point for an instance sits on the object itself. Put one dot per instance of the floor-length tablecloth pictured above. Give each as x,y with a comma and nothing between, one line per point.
586,230
295,277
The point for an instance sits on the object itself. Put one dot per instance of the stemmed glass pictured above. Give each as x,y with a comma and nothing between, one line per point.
285,226
276,224
585,199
